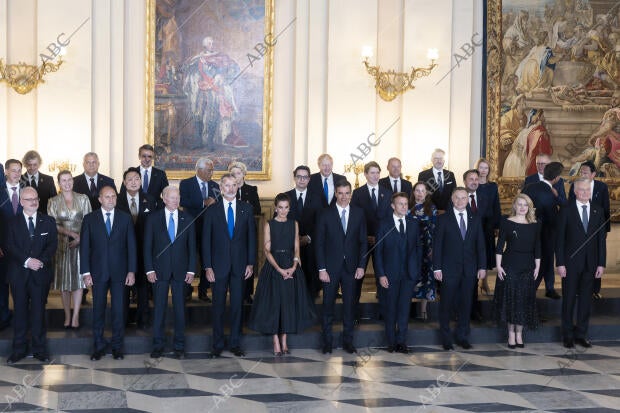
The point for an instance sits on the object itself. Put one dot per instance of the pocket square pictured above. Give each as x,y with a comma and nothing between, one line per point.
449,182
44,233
146,210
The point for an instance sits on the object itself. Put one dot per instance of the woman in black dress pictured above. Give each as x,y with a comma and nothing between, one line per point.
282,303
517,269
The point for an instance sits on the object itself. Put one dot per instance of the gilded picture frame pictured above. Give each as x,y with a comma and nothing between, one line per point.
209,91
539,60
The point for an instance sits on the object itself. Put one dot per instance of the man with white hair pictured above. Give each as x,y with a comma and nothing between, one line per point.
197,194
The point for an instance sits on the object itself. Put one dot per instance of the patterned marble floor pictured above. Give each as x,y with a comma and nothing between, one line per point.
488,378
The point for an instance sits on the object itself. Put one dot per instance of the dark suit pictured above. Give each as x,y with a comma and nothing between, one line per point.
600,196
559,186
157,182
547,206
108,259
6,215
193,203
46,188
82,186
28,287
146,205
488,214
374,213
459,261
249,193
580,252
440,197
171,262
398,257
316,187
306,219
405,185
228,258
493,218
340,254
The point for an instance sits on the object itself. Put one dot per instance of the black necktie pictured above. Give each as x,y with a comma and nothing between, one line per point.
439,182
93,188
33,182
300,206
395,185
401,227
374,199
30,227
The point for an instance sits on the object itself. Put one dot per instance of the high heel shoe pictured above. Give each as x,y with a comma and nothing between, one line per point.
512,346
285,351
277,353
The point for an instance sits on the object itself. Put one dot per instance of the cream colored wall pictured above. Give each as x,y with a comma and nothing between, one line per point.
323,100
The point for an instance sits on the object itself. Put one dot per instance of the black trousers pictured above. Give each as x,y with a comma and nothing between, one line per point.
346,281
455,295
547,242
141,288
576,289
117,306
224,283
160,298
29,306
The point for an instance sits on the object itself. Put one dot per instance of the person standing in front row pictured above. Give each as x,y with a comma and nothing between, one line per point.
31,244
228,257
459,258
517,269
282,304
397,261
341,254
108,263
580,259
169,248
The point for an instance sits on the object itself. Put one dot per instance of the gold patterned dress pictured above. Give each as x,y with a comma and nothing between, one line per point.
67,260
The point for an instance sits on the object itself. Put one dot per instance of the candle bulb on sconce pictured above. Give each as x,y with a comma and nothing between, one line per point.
367,52
432,54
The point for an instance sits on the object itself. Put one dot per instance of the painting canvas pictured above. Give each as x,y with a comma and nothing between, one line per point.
209,84
553,86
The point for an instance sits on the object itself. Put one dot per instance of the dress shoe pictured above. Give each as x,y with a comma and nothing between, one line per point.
448,347
215,354
157,353
97,355
402,348
465,344
553,295
583,342
14,358
597,296
179,354
248,301
118,355
5,324
237,352
569,343
390,349
327,348
42,357
349,348
204,297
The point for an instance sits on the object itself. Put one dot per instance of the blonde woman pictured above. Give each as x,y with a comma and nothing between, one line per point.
518,262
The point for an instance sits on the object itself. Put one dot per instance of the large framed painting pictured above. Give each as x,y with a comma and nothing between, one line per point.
553,86
209,84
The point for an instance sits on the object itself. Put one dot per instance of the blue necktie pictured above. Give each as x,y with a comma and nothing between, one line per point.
30,227
171,228
145,183
343,220
326,190
231,220
108,223
204,191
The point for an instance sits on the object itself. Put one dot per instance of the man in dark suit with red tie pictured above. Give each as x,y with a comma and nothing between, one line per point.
228,257
440,182
31,243
323,183
394,181
547,204
304,208
341,252
44,184
139,205
91,181
397,260
197,194
600,196
459,259
580,258
170,261
108,262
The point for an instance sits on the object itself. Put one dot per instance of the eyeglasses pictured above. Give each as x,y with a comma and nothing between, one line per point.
302,177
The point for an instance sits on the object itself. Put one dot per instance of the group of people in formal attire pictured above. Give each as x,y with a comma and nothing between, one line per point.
428,239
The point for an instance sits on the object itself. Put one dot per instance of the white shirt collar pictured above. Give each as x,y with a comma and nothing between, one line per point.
9,187
34,216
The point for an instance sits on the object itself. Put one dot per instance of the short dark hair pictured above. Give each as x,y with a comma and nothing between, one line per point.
341,183
371,164
147,147
280,198
301,168
11,161
458,188
470,171
590,165
399,195
552,171
132,169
